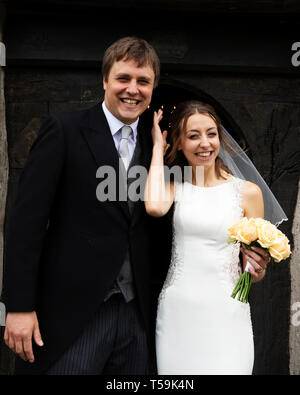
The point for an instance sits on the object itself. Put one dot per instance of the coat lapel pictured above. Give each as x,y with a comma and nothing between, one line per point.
97,134
145,141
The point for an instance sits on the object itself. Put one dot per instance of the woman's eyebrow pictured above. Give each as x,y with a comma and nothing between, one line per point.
197,130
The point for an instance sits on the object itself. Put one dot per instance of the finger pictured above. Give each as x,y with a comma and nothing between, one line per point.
253,273
37,336
19,349
257,258
11,343
28,350
261,262
5,337
156,120
255,265
261,252
160,115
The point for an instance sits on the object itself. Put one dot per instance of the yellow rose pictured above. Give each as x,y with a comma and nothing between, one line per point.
244,231
235,228
267,233
280,249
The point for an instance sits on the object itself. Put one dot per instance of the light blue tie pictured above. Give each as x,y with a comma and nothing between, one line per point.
123,147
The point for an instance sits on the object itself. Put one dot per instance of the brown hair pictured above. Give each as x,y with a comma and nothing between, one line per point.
131,48
178,123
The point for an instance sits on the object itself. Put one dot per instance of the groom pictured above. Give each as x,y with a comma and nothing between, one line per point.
77,272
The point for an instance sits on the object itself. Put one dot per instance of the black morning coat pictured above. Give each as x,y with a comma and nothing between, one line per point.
65,248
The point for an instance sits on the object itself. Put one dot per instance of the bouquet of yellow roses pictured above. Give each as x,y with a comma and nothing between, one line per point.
261,233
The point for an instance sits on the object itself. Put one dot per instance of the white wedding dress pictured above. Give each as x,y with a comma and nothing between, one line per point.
200,329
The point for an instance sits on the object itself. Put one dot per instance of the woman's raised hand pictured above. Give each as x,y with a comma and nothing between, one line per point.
159,138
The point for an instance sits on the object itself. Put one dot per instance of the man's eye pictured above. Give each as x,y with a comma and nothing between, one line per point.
144,82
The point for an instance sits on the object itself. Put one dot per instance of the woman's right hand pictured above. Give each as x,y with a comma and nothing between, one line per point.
159,138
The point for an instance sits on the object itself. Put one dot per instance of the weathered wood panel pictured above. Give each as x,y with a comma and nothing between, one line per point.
196,41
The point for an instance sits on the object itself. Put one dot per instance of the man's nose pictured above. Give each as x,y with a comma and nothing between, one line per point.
132,88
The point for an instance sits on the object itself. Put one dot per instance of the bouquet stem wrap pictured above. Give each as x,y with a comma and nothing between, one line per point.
243,286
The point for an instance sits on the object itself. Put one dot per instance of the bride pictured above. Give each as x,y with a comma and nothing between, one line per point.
200,329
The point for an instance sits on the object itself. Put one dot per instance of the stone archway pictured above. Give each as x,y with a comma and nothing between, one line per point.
171,92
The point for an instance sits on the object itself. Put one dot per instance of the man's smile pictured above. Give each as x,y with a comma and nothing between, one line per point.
130,101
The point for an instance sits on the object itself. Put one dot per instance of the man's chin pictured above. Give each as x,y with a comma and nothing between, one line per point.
129,118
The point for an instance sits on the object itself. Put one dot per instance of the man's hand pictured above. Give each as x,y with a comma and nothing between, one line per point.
20,328
259,259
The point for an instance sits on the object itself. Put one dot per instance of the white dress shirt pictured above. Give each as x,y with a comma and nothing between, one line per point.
115,125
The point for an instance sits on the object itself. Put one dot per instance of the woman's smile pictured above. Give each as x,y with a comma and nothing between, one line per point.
204,155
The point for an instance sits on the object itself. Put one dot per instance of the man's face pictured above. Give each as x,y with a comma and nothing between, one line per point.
128,90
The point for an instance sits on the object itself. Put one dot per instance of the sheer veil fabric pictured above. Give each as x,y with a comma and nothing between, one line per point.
242,167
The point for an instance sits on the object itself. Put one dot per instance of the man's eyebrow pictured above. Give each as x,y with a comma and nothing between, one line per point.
122,75
142,77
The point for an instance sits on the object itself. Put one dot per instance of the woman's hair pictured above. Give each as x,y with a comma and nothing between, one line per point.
131,48
178,122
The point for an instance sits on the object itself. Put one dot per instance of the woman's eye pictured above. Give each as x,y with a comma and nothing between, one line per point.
193,136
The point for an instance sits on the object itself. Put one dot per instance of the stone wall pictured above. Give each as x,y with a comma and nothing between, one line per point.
295,295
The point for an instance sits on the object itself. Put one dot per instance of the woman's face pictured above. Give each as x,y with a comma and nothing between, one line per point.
200,142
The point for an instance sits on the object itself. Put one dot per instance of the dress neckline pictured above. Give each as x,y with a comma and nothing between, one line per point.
213,187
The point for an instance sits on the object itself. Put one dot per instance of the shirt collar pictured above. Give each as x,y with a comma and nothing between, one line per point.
115,124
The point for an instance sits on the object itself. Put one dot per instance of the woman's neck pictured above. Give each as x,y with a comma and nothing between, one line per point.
206,177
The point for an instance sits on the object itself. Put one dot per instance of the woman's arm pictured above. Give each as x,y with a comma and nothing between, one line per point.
159,195
253,203
253,206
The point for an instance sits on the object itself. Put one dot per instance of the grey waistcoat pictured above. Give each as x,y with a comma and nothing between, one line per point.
124,282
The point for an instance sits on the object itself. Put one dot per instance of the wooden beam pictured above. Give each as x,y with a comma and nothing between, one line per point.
169,6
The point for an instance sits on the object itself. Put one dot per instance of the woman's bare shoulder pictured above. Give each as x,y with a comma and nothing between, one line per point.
251,190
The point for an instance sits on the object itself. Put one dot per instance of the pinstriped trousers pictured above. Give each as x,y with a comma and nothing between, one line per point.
113,343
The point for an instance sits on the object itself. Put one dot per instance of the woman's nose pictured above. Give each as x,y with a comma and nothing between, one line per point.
204,142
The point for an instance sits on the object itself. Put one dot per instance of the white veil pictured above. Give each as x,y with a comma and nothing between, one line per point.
241,166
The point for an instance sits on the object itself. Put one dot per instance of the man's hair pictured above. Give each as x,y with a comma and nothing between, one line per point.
131,48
